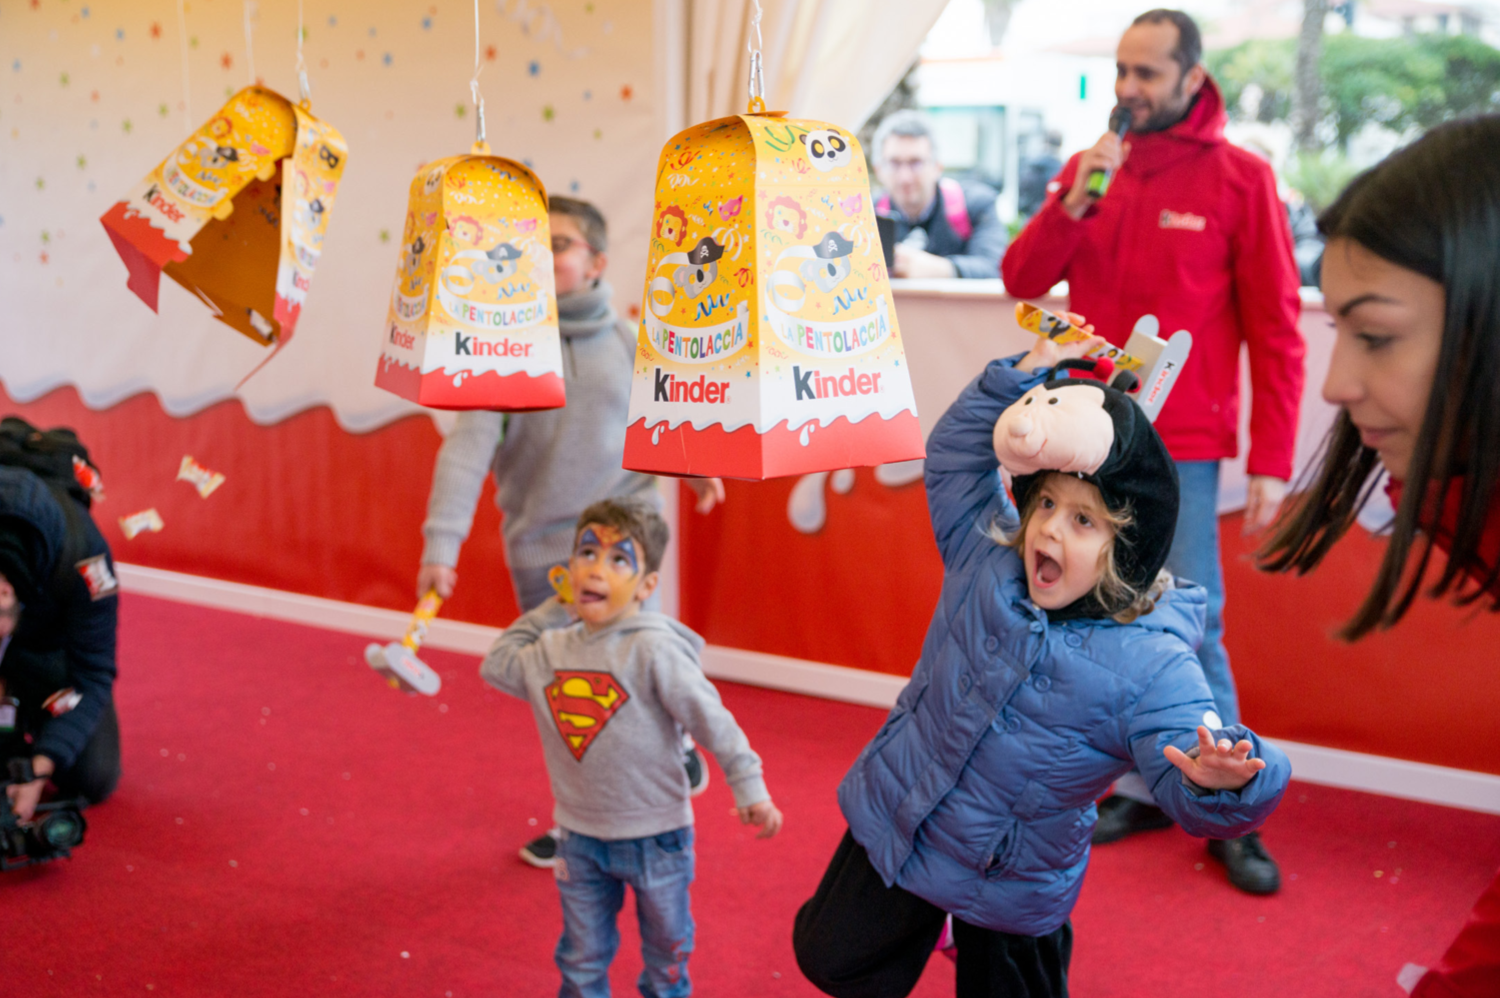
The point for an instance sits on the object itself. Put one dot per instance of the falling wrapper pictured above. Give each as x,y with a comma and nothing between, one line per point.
237,214
768,342
199,477
473,315
139,523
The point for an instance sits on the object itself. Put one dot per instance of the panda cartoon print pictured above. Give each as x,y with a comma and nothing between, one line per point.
827,149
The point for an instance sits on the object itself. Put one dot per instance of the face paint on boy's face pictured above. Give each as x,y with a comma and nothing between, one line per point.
606,574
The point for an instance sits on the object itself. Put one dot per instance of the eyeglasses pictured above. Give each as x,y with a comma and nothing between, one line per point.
904,165
561,244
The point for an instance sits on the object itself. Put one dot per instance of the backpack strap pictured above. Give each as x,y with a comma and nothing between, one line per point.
883,205
956,208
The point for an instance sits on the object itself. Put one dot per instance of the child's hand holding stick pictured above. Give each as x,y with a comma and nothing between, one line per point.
1049,353
1218,767
764,814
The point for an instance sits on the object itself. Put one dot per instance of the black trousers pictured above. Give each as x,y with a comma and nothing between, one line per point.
95,773
858,938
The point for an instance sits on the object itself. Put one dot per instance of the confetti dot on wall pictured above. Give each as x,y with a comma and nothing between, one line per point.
626,92
588,95
333,21
573,187
94,96
193,42
226,60
359,54
460,110
533,67
426,24
46,237
322,63
385,235
372,32
63,79
547,113
83,162
588,8
161,109
386,58
598,133
85,12
490,53
155,30
126,126
16,65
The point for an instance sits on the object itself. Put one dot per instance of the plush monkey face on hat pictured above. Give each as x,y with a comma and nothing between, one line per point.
1091,430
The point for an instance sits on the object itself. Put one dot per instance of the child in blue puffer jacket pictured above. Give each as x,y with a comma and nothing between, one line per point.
1059,657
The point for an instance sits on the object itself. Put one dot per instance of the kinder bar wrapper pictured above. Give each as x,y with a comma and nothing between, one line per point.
88,476
237,214
1155,362
473,315
768,342
139,523
199,477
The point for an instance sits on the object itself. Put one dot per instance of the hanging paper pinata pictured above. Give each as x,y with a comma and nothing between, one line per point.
768,343
237,213
473,315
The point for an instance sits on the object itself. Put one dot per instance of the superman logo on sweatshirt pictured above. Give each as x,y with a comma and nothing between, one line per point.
582,704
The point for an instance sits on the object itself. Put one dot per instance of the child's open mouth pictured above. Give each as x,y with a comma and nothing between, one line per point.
1048,571
588,597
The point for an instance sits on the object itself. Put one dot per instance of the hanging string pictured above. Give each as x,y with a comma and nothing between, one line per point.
306,88
251,10
187,99
757,80
474,85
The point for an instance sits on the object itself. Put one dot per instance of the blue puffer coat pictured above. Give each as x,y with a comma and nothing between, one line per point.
978,793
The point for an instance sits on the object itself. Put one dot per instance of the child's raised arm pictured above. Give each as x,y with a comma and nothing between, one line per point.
516,650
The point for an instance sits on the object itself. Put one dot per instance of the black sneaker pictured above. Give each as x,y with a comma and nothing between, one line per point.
541,852
692,761
1121,816
1250,867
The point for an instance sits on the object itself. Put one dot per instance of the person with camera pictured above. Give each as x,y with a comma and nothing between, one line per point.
58,611
1189,229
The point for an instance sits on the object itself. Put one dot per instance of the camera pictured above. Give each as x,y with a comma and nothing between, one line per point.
53,832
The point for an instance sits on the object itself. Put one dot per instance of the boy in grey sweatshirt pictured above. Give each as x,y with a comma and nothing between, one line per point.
612,688
549,465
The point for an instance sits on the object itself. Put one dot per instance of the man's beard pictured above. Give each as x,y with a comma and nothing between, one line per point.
1167,115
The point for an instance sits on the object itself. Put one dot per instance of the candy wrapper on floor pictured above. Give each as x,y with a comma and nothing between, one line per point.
768,342
236,214
199,477
398,660
1151,363
473,314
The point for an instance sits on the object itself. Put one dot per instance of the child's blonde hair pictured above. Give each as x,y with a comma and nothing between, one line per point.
1111,590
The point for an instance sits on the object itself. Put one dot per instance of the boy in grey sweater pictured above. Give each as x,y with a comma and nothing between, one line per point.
549,465
612,688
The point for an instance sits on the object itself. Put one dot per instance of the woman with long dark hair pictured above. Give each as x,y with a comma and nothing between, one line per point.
1411,279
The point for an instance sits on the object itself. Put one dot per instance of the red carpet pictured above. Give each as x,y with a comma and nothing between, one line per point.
289,826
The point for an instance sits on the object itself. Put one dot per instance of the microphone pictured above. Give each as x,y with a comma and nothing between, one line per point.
1119,123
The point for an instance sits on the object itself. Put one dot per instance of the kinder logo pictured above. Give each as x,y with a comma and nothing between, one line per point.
401,338
473,346
669,389
1185,220
813,384
154,198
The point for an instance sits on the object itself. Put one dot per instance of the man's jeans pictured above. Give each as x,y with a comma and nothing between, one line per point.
1195,558
591,877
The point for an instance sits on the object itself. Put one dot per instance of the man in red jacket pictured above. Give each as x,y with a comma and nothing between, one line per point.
1190,231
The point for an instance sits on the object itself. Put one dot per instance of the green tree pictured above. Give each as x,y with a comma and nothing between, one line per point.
1403,84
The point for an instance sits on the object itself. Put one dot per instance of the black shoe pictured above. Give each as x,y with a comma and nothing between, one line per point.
1250,867
692,761
1121,816
541,852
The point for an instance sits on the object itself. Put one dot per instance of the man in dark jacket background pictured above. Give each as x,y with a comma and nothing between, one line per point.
58,613
1190,230
944,227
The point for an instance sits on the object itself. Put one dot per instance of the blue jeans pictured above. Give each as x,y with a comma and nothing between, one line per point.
1195,558
591,877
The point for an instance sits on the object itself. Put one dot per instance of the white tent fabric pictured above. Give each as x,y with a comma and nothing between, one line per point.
834,60
94,99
